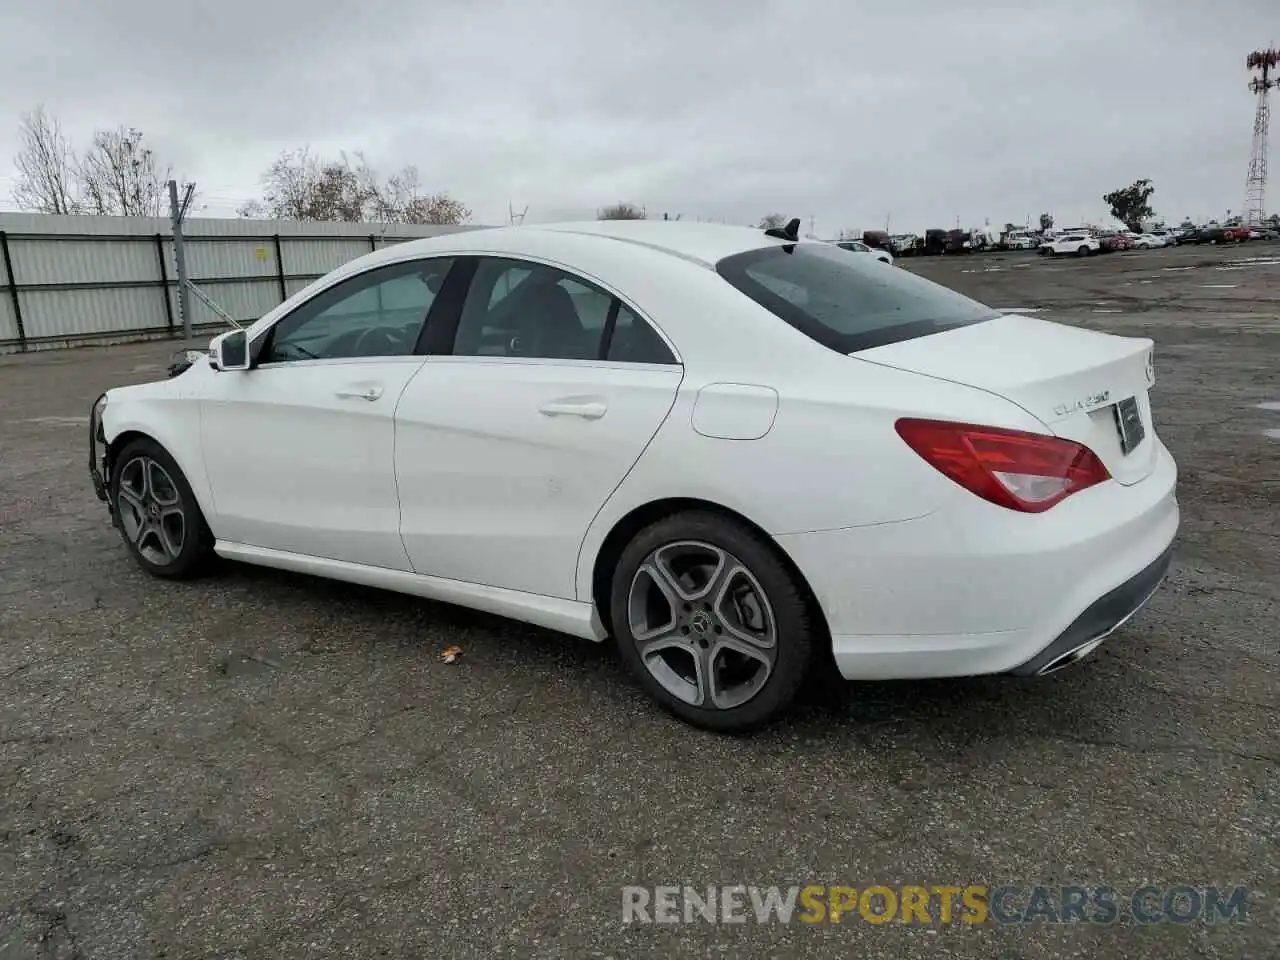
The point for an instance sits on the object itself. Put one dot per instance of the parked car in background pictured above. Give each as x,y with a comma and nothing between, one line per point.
857,246
877,239
1238,234
1110,242
1080,244
1150,241
577,426
1020,241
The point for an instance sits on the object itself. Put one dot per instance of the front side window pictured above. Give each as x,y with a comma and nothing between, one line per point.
376,314
847,303
519,309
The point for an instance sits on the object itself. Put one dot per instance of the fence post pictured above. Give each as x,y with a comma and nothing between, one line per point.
284,290
164,283
13,292
373,243
180,259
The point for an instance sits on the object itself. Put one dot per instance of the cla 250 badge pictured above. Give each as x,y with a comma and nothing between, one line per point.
1086,403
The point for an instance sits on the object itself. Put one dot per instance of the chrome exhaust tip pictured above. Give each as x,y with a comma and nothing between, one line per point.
1073,655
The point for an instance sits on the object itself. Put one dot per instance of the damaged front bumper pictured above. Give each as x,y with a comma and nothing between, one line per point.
99,467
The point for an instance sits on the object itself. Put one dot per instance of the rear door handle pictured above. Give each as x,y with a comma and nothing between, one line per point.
360,393
587,409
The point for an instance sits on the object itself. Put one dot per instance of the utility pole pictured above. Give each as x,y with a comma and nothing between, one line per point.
176,215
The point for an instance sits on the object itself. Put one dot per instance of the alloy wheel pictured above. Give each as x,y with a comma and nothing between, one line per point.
702,624
151,512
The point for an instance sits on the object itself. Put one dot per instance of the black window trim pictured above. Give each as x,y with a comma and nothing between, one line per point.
261,343
444,341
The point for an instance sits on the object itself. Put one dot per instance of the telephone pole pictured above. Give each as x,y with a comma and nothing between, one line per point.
176,215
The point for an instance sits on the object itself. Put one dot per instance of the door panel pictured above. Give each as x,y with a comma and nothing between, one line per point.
300,457
502,463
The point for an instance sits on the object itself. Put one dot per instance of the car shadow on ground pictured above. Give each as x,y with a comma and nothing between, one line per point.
946,715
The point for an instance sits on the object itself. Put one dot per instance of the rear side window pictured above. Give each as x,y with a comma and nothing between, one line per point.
847,303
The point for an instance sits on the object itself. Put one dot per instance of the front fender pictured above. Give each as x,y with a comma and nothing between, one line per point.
168,412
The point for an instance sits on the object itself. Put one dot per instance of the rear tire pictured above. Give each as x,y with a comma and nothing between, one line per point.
157,512
1083,251
711,621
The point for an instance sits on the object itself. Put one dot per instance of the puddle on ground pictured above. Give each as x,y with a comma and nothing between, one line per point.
1270,405
1273,434
1218,286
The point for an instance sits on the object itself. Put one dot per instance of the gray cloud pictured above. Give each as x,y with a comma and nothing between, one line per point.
844,111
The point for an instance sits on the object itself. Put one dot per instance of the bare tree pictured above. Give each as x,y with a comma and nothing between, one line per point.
119,176
302,186
400,199
621,211
772,221
46,166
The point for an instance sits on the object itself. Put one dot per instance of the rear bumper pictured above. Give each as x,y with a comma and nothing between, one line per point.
974,589
1100,620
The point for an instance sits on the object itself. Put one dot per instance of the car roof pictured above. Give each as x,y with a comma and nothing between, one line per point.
703,243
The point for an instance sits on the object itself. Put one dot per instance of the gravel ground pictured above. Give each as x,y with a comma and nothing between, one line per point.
260,764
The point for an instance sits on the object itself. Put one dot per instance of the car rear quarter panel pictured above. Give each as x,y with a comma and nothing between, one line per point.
831,460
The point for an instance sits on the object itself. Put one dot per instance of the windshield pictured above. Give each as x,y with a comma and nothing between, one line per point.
847,303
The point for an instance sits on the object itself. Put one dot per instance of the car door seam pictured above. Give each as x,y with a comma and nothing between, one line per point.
675,398
395,460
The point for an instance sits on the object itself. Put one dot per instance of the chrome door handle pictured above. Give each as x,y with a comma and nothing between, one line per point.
365,393
587,409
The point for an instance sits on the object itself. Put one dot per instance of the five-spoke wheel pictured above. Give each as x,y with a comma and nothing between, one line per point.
702,624
711,620
151,513
157,512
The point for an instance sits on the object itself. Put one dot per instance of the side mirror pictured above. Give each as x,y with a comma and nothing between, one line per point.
230,351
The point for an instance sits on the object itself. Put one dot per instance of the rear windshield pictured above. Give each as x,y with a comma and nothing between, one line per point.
847,301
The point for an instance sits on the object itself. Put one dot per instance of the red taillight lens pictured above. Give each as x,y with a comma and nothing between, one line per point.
1029,472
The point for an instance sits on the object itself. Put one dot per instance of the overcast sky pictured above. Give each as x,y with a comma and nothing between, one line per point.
844,110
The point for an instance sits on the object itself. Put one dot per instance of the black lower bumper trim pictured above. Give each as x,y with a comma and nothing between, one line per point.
1102,616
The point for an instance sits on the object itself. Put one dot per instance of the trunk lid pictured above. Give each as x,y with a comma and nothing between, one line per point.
1069,378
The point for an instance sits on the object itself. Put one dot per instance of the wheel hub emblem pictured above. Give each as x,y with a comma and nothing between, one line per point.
700,624
153,511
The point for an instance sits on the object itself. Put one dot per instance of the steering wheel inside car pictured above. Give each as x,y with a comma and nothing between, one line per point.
378,342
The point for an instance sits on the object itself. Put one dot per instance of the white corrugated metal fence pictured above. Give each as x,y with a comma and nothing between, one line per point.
67,280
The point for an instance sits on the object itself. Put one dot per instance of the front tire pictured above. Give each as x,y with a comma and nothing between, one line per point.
1083,251
157,513
711,621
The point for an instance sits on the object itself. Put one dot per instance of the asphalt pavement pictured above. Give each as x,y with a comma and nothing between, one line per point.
259,764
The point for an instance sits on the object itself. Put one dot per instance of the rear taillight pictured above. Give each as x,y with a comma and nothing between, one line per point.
1029,472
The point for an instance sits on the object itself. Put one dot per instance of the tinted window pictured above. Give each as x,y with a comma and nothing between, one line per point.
517,309
847,303
375,314
520,309
634,341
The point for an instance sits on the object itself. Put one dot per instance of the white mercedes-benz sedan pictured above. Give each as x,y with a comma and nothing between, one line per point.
738,454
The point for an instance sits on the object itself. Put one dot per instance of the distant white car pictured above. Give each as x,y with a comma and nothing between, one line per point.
1071,243
857,246
1150,241
734,452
